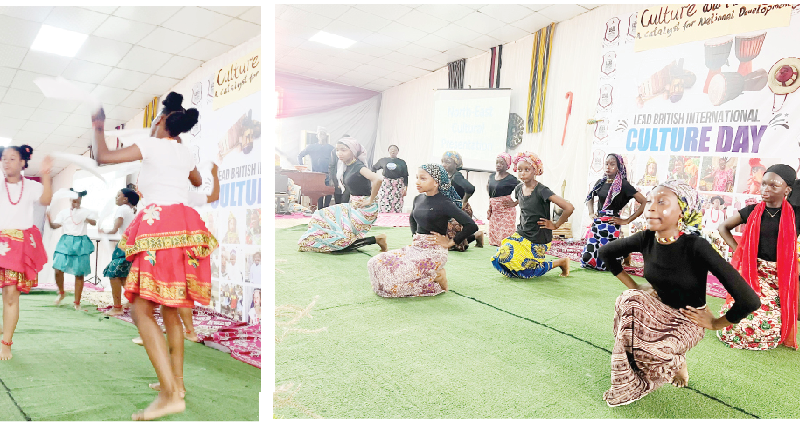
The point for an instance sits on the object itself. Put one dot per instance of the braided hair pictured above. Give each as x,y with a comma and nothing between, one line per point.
179,120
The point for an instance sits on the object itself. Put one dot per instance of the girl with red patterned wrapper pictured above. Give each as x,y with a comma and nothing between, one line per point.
168,244
22,254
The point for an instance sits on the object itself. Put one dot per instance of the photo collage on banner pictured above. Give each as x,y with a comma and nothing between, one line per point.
230,135
715,113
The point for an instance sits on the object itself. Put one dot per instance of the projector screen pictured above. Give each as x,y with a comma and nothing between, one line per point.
473,122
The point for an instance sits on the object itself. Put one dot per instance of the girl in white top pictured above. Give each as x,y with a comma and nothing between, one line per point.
167,243
22,254
74,249
117,270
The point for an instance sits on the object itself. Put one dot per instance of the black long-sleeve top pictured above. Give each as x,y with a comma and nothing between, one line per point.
320,156
462,185
430,214
393,168
678,271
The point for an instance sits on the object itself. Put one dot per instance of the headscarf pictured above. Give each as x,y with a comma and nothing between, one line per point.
745,258
456,158
506,157
439,174
616,185
531,159
358,152
690,203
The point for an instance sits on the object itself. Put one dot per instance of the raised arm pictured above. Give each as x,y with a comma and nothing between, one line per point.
214,196
47,183
103,155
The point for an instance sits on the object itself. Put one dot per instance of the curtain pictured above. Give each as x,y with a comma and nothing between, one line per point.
299,95
456,75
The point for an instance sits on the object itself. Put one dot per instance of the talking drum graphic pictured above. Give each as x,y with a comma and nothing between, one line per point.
717,52
783,80
748,47
726,86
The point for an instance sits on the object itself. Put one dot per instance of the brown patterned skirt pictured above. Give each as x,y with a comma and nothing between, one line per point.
453,228
650,344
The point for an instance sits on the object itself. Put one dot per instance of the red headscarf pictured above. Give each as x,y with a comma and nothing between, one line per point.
745,259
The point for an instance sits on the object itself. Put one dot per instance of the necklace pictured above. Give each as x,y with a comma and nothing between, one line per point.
71,218
668,240
21,190
771,214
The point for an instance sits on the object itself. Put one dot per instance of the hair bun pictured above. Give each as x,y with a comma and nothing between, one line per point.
190,118
173,102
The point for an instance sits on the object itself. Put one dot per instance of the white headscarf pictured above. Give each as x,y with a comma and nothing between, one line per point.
358,152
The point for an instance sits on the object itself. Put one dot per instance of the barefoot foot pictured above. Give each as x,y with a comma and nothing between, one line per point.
681,378
191,336
59,299
5,352
77,306
563,263
115,311
165,404
441,279
381,241
157,386
479,239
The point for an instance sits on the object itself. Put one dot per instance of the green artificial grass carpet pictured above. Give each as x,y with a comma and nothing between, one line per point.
71,365
489,348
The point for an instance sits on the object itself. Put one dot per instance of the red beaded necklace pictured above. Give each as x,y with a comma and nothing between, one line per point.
22,189
71,218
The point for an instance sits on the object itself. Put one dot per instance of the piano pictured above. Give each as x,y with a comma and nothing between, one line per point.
312,184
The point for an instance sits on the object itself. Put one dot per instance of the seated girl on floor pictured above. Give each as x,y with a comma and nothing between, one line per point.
418,269
522,255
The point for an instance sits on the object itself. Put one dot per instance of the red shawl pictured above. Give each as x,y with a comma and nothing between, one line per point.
745,259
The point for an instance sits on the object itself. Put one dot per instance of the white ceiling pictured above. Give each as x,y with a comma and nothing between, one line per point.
398,43
132,54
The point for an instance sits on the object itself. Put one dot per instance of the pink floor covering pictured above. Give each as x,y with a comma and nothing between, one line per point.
243,341
572,250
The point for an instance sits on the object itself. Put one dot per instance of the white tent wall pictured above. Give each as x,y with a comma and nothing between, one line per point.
406,117
359,120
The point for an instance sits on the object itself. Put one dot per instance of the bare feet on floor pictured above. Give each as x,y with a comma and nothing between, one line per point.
115,311
165,404
441,279
59,298
381,241
77,306
563,263
191,336
157,386
5,352
681,378
479,239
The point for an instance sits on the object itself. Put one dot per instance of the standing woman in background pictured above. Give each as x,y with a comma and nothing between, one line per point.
167,243
117,270
452,163
342,227
613,192
395,182
21,242
502,214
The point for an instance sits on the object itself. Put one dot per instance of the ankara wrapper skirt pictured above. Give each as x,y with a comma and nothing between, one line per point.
22,256
602,232
760,330
650,344
409,271
119,267
390,196
453,228
72,255
169,248
517,257
336,227
503,222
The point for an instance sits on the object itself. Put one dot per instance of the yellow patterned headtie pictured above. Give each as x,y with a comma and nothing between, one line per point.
690,204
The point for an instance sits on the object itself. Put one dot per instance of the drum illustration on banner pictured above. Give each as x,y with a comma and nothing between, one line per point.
748,47
669,83
717,52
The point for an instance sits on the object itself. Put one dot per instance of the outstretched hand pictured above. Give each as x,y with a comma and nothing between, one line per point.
444,241
47,164
547,224
701,317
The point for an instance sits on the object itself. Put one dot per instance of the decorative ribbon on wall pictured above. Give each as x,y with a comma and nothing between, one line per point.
455,76
497,63
540,61
150,113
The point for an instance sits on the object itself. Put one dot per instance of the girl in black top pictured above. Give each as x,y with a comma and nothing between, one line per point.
613,193
502,214
395,181
522,255
342,226
655,324
452,162
418,269
767,259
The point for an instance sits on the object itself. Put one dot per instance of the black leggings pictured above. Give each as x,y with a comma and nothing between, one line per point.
359,243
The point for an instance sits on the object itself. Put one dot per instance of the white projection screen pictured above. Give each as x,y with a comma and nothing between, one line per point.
473,122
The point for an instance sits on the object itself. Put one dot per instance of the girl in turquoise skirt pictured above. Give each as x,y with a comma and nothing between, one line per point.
119,267
74,248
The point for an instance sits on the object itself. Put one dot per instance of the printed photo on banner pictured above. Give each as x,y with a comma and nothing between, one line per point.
241,136
232,301
253,305
234,232
253,232
214,303
749,174
684,168
215,263
232,267
253,265
718,174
